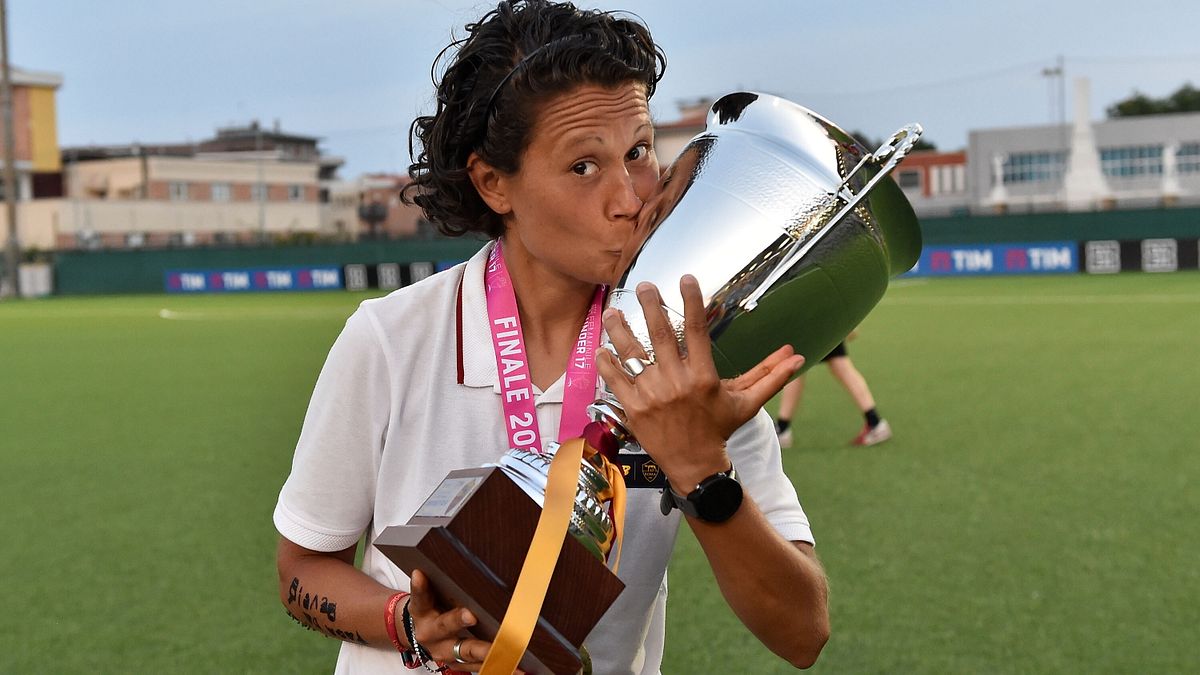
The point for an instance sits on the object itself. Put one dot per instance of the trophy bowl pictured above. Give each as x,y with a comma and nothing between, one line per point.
788,223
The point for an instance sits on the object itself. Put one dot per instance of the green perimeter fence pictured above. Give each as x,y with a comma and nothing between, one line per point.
142,271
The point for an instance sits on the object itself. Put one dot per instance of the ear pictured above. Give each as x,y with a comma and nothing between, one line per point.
490,183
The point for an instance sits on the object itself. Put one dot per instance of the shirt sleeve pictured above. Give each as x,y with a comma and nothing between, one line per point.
328,499
754,450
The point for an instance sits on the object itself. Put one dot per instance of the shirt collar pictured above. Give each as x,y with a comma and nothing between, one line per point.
476,354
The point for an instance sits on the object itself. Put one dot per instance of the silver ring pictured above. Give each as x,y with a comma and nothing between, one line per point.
458,651
635,366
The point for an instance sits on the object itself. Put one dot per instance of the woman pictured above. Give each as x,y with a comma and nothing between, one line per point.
542,139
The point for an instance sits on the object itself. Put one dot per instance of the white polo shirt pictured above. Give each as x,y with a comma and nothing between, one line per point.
409,393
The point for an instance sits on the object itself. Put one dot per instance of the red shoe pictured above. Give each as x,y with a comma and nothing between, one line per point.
873,435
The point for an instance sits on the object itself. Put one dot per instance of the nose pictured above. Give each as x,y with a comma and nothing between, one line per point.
624,202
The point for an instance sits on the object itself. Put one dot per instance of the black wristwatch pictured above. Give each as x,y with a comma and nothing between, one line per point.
714,500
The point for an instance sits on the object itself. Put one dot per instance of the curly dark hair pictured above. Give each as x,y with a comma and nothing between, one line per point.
515,58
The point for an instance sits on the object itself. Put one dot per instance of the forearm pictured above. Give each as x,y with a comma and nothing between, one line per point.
328,594
776,587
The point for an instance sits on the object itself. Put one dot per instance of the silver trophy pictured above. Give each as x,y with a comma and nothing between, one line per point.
790,225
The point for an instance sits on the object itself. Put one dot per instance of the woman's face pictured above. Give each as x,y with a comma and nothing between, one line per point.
588,169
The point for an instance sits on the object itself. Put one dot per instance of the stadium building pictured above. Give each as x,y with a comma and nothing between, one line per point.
1139,162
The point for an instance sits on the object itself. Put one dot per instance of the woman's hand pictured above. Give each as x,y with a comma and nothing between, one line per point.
679,409
438,632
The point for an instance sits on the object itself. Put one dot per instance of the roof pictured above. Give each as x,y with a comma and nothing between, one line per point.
34,78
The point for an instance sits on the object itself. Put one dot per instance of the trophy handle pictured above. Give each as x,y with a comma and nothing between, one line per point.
888,156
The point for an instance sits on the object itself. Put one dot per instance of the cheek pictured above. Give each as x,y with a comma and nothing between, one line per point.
645,181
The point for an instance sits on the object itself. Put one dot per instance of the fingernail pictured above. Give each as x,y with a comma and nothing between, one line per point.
467,619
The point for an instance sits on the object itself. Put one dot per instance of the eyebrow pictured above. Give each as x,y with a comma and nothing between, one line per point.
569,142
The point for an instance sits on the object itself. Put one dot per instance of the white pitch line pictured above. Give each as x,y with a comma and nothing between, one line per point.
165,313
904,283
258,314
1045,300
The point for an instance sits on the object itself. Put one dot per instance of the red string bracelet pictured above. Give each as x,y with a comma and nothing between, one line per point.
389,618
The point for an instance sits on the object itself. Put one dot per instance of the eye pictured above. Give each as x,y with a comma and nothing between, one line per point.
583,168
639,151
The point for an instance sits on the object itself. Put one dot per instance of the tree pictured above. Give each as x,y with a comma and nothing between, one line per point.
1185,99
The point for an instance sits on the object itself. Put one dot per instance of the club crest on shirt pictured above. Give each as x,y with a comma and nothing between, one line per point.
650,471
640,471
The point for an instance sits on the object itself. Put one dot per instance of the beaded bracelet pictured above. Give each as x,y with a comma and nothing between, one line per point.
421,656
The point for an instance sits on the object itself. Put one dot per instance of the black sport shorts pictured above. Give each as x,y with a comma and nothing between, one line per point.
839,350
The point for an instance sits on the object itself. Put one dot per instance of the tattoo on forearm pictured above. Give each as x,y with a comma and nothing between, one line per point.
310,602
312,608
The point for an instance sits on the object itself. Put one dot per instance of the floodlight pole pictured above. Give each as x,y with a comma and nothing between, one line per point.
1052,74
13,249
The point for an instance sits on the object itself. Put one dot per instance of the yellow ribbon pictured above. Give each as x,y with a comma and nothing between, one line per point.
526,604
562,482
616,483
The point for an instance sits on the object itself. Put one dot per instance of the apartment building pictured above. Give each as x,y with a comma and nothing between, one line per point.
245,184
35,133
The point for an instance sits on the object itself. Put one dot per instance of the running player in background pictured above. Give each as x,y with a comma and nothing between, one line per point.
875,429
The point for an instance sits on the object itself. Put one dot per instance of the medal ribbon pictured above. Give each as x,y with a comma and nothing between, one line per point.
512,364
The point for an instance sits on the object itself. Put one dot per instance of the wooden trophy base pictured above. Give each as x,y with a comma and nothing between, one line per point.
470,538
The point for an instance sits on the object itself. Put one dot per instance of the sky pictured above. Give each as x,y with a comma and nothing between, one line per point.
356,72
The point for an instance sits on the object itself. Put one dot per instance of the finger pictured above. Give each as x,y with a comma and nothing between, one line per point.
472,651
695,324
614,374
761,391
763,368
620,335
421,599
662,334
445,627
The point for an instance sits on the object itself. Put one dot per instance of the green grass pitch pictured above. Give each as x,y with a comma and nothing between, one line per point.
1036,512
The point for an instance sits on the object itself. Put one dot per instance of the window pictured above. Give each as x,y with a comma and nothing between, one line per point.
1132,161
909,179
178,191
222,192
1187,158
258,192
88,239
947,179
295,193
181,239
1034,167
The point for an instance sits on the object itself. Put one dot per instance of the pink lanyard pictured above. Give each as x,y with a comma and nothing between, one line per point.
512,365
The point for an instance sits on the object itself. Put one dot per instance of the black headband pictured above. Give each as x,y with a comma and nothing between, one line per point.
520,64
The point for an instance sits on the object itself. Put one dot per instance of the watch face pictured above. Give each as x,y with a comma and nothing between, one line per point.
719,500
